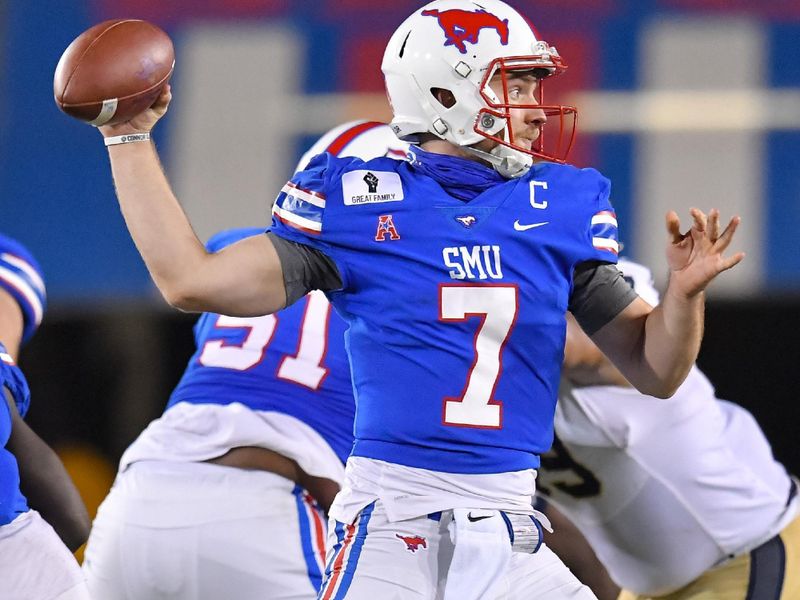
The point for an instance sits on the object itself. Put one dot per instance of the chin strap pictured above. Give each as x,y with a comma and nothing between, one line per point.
510,163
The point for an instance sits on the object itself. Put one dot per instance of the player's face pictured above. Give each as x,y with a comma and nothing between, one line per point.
521,89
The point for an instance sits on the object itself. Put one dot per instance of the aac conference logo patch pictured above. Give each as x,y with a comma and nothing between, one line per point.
371,187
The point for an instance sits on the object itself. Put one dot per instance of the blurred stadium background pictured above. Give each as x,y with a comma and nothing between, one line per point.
683,103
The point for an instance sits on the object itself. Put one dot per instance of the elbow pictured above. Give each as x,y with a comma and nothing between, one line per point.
671,385
664,393
650,382
182,297
662,389
76,532
76,539
662,382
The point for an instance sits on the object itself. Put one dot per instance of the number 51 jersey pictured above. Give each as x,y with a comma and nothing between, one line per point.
455,309
292,362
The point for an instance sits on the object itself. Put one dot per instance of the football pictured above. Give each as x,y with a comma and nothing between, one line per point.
113,71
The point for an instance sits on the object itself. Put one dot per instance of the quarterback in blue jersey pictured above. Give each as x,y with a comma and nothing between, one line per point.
228,483
42,516
454,272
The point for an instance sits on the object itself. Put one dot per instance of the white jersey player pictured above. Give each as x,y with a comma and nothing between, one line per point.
678,496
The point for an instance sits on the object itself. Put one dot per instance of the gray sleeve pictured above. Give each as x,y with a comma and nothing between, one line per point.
599,293
304,269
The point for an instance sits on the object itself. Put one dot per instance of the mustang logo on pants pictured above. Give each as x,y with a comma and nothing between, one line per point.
413,542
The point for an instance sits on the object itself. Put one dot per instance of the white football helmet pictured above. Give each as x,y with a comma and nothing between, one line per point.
362,139
459,45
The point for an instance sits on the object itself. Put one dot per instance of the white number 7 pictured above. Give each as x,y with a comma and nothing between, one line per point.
496,306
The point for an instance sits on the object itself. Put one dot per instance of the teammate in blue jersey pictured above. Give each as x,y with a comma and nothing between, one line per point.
220,497
454,271
42,516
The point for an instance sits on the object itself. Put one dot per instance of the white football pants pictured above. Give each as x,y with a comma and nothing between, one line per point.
35,564
373,558
198,531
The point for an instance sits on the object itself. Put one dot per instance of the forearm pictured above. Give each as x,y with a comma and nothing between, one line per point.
584,363
159,227
242,280
663,344
572,548
674,330
654,348
673,333
45,482
49,490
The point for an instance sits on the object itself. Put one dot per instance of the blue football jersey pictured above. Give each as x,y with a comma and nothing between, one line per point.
455,308
12,502
292,362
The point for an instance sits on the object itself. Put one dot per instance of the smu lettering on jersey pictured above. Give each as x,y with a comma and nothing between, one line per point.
292,362
12,502
455,309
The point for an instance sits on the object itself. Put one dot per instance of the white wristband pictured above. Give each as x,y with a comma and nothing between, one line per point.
127,138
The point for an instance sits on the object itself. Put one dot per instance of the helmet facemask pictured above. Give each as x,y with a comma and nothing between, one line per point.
556,136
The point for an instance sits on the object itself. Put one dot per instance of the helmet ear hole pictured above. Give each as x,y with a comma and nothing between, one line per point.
444,97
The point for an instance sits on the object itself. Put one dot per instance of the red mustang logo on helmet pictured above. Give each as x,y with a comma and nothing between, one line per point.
413,542
464,26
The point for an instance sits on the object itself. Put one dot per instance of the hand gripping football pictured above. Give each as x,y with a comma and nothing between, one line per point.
113,71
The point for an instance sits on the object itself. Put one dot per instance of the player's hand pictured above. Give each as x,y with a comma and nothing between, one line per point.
144,121
696,257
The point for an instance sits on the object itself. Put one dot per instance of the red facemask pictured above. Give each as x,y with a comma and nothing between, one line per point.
556,136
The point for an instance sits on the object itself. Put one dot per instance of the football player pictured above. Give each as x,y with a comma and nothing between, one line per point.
224,495
681,498
42,517
454,271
